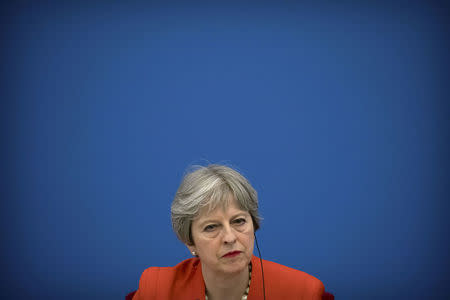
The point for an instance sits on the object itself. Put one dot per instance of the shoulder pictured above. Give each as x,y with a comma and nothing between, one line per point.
183,269
285,278
157,280
277,269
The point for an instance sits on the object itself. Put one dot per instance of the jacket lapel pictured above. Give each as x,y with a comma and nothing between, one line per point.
256,285
197,289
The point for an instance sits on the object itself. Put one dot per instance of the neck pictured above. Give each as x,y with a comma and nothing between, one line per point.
224,286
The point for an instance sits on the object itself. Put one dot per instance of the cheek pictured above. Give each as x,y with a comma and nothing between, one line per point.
248,239
208,247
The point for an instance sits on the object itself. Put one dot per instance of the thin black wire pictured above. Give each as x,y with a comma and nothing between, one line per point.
262,269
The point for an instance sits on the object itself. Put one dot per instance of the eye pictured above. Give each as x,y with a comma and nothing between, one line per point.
210,227
240,221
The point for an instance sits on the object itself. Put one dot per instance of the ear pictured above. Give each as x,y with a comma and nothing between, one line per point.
255,224
191,248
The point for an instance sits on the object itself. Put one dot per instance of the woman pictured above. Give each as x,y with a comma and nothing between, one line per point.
215,213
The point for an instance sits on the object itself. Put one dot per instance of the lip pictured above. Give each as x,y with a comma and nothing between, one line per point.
232,253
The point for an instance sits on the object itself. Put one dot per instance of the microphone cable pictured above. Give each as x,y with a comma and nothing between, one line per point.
262,269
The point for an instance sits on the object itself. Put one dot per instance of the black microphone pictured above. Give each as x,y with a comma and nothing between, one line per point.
262,269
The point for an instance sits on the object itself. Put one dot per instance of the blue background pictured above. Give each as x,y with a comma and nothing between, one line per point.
337,113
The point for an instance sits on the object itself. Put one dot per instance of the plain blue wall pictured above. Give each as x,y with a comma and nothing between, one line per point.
338,115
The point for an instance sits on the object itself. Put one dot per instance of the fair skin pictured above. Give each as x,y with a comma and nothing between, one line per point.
215,236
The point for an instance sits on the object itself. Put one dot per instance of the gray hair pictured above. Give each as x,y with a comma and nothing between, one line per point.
210,186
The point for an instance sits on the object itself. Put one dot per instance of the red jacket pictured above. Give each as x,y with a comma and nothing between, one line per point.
185,281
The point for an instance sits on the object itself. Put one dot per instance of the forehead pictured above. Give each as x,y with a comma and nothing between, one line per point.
229,207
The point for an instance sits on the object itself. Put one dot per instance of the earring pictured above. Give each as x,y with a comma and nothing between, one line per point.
193,253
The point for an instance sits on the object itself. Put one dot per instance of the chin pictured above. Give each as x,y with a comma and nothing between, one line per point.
236,266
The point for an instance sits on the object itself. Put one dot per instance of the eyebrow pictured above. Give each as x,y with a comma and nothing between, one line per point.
213,220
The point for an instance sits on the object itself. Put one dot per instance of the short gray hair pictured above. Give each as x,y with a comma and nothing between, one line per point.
210,186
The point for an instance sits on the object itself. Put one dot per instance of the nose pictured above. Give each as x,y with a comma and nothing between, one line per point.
229,236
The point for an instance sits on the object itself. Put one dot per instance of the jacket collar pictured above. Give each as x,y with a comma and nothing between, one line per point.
256,286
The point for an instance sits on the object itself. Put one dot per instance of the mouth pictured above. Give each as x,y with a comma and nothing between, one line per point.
232,254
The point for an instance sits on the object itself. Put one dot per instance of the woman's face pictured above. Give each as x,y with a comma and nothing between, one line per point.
223,239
